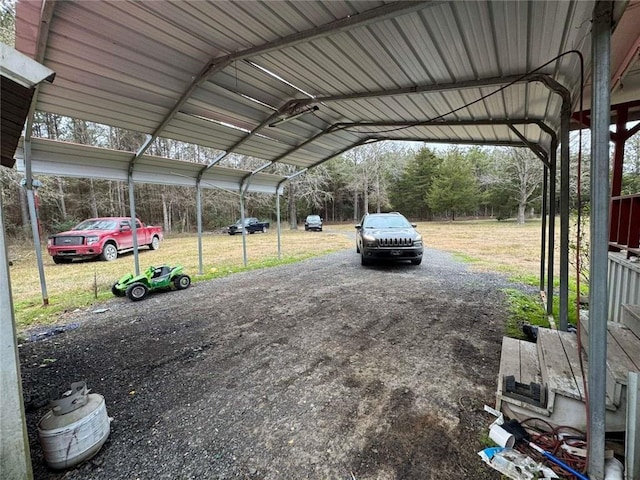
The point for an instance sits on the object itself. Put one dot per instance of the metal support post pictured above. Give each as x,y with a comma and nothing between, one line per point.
564,218
134,230
35,232
543,229
244,230
15,460
199,220
552,227
33,214
278,220
598,287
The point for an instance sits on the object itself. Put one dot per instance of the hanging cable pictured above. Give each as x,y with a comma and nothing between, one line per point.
480,99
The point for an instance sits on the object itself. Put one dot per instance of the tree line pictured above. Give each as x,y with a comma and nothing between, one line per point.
420,181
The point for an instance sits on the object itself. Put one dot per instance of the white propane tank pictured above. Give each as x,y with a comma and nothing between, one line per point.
75,428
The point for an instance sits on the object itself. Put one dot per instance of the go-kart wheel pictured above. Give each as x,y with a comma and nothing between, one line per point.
116,291
181,282
137,291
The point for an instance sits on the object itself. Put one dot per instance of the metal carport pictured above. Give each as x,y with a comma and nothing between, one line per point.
300,82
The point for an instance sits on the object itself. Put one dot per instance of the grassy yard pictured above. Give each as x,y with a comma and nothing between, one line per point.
488,244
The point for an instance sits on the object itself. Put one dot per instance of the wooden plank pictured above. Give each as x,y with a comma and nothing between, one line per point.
629,343
554,365
570,344
509,365
529,364
519,358
581,372
631,318
617,363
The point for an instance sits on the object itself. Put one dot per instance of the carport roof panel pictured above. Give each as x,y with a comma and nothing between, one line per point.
50,157
142,59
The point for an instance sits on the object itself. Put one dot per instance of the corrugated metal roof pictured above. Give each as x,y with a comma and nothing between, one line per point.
49,157
216,73
19,76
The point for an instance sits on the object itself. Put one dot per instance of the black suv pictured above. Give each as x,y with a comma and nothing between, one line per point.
313,222
388,236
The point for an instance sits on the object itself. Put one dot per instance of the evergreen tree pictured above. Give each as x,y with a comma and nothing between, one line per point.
408,192
455,188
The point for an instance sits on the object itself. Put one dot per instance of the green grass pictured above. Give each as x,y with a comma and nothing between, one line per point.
523,309
463,257
32,312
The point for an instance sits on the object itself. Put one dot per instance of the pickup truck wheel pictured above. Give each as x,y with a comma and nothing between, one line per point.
181,282
264,229
58,260
109,252
116,291
155,243
137,291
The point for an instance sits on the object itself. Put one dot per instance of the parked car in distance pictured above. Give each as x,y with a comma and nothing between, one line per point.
313,222
251,225
388,236
103,237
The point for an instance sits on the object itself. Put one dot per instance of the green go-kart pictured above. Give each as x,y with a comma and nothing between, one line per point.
136,288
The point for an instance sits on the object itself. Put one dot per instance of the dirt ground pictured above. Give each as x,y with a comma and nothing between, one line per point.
322,369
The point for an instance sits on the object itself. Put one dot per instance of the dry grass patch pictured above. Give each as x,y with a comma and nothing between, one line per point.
81,283
487,244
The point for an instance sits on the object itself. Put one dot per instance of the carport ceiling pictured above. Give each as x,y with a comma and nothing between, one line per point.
218,74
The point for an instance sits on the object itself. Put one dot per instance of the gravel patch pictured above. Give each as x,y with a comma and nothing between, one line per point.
322,369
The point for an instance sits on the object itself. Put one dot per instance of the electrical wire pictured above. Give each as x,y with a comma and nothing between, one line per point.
552,440
480,99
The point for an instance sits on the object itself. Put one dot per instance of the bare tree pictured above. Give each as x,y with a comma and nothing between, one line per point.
521,174
373,165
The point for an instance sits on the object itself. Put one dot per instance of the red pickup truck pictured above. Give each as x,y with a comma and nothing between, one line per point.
104,237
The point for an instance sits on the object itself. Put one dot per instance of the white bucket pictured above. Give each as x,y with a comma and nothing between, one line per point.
501,436
75,436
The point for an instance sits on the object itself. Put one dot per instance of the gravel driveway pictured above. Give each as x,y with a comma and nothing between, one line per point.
322,369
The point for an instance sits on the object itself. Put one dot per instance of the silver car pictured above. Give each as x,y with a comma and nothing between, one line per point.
388,236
